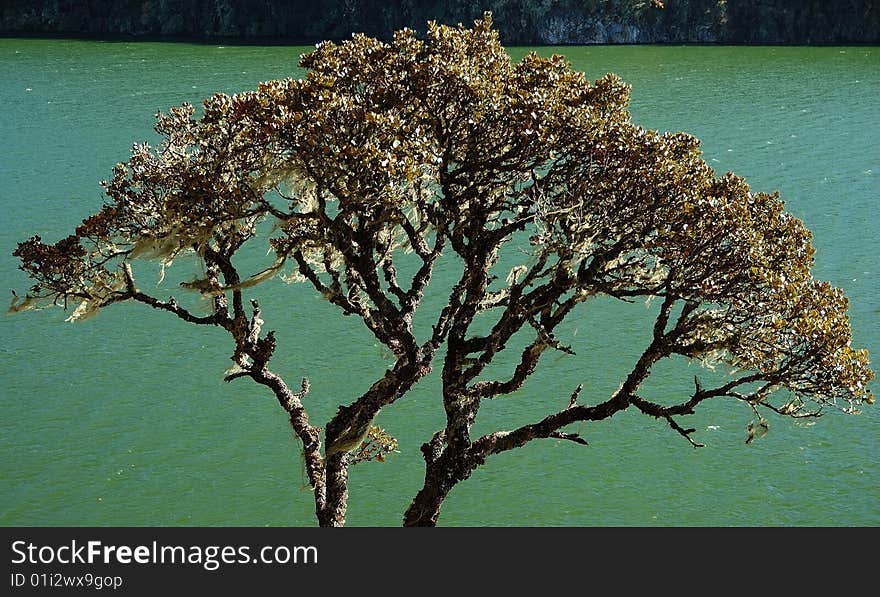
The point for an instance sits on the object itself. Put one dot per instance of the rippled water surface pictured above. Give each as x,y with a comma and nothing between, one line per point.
124,419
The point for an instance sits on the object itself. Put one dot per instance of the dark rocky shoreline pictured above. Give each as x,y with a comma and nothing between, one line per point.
545,22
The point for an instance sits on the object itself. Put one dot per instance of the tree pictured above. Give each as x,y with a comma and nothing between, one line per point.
389,159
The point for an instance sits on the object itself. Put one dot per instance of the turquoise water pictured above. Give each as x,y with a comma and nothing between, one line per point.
125,420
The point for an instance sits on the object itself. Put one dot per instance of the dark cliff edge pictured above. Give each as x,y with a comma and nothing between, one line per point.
521,22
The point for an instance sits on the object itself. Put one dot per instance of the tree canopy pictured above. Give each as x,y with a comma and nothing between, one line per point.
390,158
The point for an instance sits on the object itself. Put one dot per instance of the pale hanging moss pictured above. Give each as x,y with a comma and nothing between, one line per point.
100,295
515,274
20,304
156,247
258,278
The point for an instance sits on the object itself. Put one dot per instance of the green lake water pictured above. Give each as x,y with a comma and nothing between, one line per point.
124,419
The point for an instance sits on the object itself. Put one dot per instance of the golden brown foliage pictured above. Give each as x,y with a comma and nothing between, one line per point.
386,149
